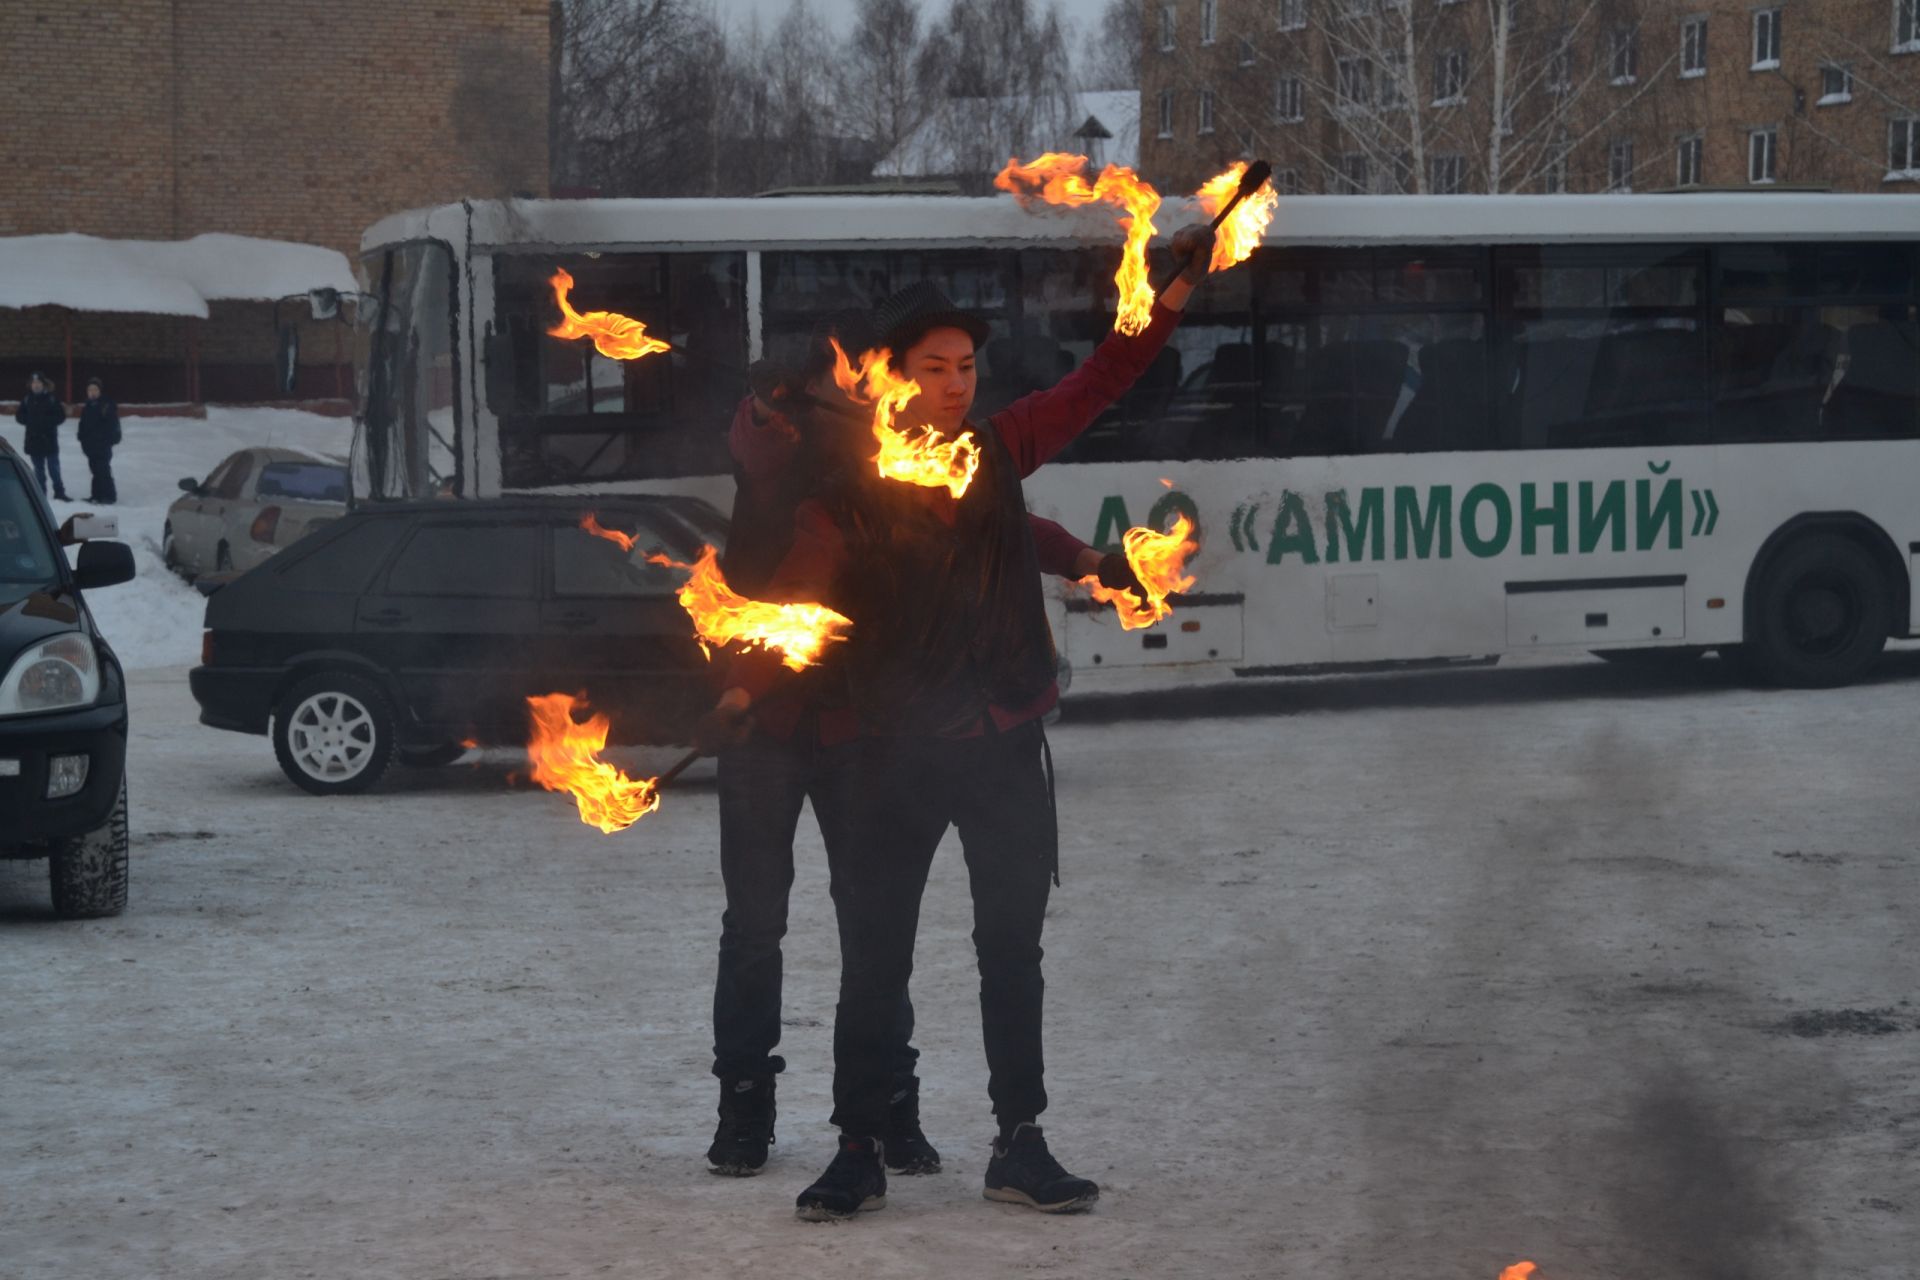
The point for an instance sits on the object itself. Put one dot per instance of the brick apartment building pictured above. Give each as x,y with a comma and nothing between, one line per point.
1553,95
293,120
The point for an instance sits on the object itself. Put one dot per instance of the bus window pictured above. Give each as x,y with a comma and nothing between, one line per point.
1814,342
569,414
1602,347
408,405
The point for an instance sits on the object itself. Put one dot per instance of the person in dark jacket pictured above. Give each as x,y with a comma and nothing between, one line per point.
99,432
786,439
41,413
948,669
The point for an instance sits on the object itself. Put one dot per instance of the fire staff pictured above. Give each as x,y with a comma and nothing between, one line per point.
947,672
787,443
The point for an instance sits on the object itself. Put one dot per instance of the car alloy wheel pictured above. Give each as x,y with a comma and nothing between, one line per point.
332,737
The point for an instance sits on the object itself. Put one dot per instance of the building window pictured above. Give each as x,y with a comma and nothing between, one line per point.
1620,165
1206,111
1393,82
1762,144
1247,56
1693,47
1209,20
1624,58
1166,113
1766,39
1352,177
1287,182
1292,15
1560,67
1447,175
1289,100
1246,143
1906,26
1450,77
1166,28
1357,8
1836,85
1553,180
1691,148
1903,148
1354,87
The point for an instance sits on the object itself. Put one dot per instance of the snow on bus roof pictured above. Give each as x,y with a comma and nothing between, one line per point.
1302,220
165,277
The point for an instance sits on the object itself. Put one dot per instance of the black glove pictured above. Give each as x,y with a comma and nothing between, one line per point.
1116,574
721,728
1193,249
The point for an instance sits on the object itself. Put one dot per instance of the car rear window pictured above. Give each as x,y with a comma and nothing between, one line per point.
492,560
343,565
303,481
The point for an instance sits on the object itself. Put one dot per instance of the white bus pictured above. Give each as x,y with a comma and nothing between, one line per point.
1409,429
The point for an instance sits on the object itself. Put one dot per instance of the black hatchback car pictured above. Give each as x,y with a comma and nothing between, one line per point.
410,631
63,705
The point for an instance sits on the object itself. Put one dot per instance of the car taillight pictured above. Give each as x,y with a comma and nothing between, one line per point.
206,648
266,524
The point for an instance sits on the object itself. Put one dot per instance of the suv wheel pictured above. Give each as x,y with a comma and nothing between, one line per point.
333,733
1821,616
88,873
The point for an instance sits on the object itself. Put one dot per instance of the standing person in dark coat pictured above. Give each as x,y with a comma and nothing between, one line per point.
99,432
41,413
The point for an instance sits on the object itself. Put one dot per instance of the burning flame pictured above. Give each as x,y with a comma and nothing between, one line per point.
920,455
799,633
591,523
1240,234
566,757
1059,178
1518,1271
614,335
1159,560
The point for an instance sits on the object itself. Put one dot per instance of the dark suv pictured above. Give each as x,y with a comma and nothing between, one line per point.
63,705
413,630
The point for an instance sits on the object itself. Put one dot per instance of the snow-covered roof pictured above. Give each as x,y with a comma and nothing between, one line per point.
928,150
164,277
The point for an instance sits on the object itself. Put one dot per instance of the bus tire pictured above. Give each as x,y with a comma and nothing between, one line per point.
1821,614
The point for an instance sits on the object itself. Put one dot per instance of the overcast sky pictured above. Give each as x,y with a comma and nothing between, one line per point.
1081,13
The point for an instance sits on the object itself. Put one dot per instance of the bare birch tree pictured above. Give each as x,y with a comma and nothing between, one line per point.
1005,79
1110,58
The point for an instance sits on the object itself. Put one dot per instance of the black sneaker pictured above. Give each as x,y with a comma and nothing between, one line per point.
740,1143
856,1182
907,1150
1022,1171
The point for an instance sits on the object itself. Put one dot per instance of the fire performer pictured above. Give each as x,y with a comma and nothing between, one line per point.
947,672
788,442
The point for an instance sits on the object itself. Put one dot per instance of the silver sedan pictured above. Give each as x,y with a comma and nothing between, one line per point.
253,504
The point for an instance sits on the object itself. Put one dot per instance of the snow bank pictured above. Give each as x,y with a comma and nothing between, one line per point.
155,620
167,277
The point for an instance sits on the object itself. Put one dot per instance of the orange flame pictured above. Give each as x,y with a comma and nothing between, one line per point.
919,455
1518,1271
591,523
566,757
1059,178
614,335
1159,560
799,633
1240,234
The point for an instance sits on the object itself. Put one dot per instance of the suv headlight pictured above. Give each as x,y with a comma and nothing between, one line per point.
54,675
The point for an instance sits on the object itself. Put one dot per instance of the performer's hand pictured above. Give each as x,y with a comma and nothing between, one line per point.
1193,246
727,725
1118,575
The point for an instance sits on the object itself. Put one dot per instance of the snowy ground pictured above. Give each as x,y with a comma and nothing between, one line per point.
1402,977
154,621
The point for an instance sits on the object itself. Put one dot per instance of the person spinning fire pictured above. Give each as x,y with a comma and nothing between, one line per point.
942,684
794,436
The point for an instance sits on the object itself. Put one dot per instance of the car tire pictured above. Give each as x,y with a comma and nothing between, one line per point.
1820,616
430,757
333,733
88,873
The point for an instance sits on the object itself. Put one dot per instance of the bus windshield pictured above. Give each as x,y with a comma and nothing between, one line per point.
404,446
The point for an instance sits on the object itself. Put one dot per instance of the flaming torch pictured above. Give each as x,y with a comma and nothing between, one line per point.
1058,178
1242,201
1159,560
919,456
566,757
614,335
1518,1271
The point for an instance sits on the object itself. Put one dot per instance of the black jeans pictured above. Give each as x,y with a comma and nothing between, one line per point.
896,797
763,784
100,462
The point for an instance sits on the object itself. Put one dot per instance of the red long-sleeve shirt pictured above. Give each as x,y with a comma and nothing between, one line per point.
1034,428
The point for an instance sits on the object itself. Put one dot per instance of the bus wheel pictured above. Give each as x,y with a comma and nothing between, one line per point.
1820,616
